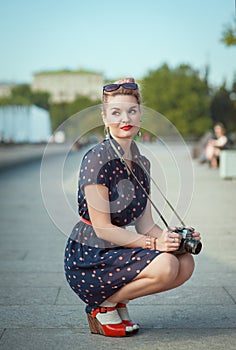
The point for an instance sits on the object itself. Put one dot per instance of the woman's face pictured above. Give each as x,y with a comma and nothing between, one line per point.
122,116
219,131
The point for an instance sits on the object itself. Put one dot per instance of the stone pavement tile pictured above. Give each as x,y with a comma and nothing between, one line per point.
32,279
147,338
13,253
46,252
217,247
18,155
42,316
28,296
213,274
201,296
32,265
32,250
67,296
205,263
182,295
208,265
149,316
188,315
214,279
24,232
232,292
221,263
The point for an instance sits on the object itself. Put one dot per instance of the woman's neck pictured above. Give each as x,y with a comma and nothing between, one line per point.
126,146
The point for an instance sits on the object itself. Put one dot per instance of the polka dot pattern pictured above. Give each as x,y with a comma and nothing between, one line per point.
96,269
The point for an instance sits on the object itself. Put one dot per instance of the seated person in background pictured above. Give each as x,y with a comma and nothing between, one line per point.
214,146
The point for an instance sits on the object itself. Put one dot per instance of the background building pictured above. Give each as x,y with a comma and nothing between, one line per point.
5,89
66,86
20,124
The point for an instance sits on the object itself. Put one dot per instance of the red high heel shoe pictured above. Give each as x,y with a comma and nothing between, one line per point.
106,321
124,315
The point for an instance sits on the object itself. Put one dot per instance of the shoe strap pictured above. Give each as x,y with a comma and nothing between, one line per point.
102,310
107,315
120,305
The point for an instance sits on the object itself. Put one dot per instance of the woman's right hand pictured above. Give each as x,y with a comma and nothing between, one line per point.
168,241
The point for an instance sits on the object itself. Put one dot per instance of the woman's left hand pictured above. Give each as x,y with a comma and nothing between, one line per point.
196,235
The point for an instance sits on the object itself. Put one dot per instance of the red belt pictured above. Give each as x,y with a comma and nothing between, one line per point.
86,221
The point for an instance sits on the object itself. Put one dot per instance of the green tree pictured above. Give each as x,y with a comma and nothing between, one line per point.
181,96
21,95
41,99
61,111
229,34
223,107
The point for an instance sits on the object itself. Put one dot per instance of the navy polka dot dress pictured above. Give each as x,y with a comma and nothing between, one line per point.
95,269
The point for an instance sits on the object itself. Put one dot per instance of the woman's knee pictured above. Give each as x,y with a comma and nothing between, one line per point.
170,266
165,268
186,265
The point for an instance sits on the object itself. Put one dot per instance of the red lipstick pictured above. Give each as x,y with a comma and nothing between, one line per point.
126,127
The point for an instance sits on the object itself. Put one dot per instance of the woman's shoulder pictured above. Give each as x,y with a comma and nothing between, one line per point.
145,161
98,152
96,148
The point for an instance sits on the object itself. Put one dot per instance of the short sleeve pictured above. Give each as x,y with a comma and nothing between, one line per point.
221,141
94,168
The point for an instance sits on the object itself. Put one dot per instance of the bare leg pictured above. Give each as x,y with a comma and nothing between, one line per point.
214,163
165,272
186,267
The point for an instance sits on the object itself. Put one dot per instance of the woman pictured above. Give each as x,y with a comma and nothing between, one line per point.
214,146
107,264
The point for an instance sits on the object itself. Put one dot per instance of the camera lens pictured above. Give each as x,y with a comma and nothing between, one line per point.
193,246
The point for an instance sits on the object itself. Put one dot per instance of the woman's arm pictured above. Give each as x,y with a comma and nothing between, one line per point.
163,239
221,141
99,212
146,224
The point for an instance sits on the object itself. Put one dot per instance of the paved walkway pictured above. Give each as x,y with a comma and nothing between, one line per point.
39,311
11,155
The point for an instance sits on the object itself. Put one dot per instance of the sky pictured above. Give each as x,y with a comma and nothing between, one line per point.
117,38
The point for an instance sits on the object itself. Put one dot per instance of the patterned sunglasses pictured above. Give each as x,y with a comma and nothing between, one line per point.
114,87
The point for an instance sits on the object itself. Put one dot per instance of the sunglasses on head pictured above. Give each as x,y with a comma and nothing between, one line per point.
114,87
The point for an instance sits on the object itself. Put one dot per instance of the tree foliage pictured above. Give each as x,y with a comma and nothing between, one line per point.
41,99
229,34
22,95
223,107
181,96
61,111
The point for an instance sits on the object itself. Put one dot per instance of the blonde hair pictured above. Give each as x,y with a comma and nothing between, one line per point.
123,91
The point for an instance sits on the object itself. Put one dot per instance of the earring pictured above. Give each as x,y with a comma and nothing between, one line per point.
106,132
139,134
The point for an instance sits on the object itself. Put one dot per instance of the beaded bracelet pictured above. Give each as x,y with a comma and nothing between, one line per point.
148,242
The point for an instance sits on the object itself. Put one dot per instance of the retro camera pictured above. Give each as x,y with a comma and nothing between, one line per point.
188,244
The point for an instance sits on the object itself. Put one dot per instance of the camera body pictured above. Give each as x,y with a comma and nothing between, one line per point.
188,244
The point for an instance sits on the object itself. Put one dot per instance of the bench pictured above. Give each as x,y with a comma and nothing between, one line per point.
228,164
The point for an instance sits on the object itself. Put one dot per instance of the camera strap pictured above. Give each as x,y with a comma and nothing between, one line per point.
144,190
